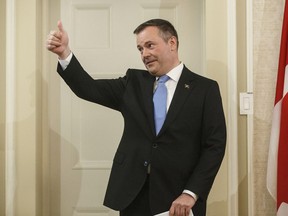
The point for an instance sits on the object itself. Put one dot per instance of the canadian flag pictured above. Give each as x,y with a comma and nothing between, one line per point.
277,169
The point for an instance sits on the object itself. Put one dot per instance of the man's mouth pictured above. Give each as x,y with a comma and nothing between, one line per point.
148,62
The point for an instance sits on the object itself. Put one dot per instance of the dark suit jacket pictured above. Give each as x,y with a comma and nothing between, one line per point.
187,152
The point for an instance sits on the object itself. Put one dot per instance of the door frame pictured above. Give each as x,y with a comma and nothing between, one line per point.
50,11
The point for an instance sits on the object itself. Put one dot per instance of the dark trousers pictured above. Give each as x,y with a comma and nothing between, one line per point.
140,206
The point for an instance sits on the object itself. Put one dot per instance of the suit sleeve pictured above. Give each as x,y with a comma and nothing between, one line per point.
213,143
106,92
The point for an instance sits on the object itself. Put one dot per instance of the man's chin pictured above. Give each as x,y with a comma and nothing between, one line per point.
152,72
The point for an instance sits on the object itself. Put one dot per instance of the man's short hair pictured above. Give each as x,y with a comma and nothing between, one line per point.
166,29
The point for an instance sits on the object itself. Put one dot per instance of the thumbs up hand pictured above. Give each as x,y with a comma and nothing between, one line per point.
58,42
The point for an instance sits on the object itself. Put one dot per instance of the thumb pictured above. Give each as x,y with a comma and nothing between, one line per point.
60,26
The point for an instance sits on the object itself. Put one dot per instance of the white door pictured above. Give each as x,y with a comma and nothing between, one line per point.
101,36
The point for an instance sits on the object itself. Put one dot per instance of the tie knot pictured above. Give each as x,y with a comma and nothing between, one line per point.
163,79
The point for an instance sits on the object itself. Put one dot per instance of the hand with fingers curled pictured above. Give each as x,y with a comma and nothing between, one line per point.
58,42
182,205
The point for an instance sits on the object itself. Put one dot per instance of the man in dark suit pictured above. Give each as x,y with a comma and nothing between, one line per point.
155,168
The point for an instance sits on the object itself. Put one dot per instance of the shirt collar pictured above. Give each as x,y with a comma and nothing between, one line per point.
175,73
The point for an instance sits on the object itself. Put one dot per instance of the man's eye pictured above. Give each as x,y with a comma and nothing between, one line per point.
150,45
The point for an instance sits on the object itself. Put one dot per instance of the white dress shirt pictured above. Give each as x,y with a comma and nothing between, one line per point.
171,83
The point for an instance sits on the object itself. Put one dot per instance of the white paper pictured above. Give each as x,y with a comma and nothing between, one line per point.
167,213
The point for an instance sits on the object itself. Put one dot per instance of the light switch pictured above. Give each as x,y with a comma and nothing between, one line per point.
246,103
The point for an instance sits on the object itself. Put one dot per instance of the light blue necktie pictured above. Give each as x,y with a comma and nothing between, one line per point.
160,102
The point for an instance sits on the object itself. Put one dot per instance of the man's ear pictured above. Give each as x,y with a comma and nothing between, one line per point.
173,43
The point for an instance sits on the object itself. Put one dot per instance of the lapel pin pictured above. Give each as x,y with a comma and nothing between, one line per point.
186,86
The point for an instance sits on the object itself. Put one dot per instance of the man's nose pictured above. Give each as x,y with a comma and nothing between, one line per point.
145,53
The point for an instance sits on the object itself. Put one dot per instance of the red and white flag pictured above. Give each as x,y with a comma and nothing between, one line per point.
277,169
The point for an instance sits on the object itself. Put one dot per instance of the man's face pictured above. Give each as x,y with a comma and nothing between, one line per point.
157,55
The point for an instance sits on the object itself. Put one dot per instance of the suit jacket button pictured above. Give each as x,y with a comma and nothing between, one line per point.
154,145
145,163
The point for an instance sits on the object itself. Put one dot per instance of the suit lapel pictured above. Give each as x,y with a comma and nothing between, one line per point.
184,88
147,93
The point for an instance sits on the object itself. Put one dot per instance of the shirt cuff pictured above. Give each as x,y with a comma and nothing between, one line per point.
65,62
195,196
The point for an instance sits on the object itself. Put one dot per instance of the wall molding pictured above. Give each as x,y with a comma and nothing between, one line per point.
92,210
10,107
232,123
249,59
93,165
